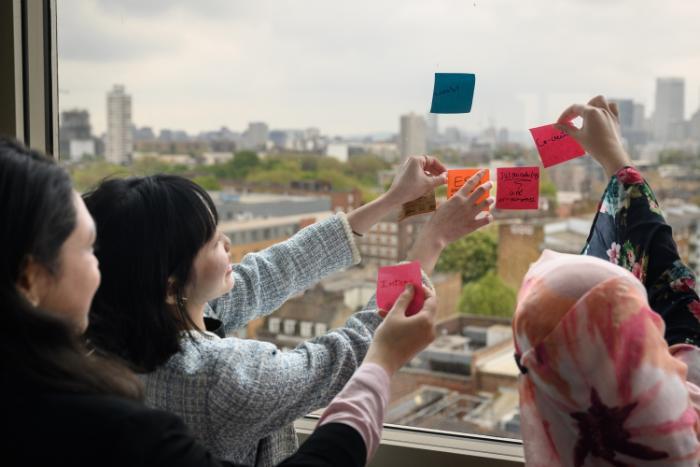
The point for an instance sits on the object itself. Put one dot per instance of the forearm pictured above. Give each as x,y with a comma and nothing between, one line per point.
427,249
364,217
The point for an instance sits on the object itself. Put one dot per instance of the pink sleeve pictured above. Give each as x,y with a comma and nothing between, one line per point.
361,404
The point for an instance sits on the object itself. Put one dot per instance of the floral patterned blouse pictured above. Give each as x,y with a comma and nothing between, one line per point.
630,230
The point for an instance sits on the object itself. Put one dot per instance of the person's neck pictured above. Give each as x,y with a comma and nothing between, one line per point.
196,313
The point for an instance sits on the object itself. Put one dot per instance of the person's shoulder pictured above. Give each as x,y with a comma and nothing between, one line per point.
205,354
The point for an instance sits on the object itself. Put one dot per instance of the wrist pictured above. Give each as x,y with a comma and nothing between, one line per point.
381,360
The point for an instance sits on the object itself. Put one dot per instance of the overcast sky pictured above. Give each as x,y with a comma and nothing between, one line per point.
351,67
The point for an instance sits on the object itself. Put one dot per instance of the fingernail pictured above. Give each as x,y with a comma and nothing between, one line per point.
409,287
490,200
488,185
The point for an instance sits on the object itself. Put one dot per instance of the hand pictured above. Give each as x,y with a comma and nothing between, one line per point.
399,338
456,217
416,177
600,133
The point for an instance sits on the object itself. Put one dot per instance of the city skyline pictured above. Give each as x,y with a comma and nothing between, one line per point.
213,64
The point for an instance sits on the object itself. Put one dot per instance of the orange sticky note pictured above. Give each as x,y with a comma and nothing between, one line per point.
458,177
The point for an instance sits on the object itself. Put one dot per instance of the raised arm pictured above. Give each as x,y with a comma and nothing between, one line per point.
629,228
264,281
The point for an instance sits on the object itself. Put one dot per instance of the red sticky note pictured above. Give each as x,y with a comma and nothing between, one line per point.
517,187
391,282
456,178
555,146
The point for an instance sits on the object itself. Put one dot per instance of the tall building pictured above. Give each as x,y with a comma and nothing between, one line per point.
119,144
413,136
631,122
256,135
669,110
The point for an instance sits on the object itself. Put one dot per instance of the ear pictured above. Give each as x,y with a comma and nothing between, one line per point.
171,292
33,281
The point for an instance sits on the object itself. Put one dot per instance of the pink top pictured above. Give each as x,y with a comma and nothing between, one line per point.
361,404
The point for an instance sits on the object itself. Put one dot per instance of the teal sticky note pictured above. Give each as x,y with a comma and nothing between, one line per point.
453,93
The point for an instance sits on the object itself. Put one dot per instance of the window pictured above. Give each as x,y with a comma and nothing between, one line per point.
273,325
348,54
321,329
290,326
305,329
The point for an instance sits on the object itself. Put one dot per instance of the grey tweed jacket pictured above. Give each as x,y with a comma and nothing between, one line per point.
240,396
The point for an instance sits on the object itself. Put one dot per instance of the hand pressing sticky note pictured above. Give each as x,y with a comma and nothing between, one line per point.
555,146
517,187
453,93
391,282
456,178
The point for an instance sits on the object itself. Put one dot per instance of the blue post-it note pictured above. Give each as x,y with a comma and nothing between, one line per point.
453,93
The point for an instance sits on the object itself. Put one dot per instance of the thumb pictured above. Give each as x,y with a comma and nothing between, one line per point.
404,300
568,128
438,180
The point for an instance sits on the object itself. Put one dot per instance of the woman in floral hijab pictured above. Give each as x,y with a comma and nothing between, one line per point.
600,384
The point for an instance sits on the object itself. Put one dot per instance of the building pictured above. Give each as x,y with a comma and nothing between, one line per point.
669,110
390,239
233,206
520,243
465,381
256,234
75,129
119,143
255,136
632,123
412,136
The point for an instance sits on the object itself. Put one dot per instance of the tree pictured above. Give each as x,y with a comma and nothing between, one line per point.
472,256
489,296
208,182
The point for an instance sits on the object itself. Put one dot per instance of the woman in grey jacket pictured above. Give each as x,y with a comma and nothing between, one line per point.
165,267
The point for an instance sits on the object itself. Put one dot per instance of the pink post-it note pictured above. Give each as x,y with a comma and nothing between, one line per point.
517,187
391,282
555,146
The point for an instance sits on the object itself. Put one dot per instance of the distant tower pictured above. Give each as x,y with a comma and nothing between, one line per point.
119,144
413,136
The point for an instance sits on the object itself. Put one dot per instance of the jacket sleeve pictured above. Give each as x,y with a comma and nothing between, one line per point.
265,280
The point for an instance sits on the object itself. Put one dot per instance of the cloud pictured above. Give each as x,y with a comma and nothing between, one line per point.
351,67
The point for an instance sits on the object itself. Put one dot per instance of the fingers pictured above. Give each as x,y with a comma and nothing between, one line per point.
615,110
433,166
473,181
482,221
600,102
478,193
485,203
404,300
571,112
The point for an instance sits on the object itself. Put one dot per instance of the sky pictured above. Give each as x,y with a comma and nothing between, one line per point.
354,67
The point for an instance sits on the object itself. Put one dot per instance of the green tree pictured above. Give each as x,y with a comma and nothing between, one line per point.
473,256
208,182
488,296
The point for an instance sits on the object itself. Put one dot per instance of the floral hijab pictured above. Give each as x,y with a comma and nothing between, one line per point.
599,385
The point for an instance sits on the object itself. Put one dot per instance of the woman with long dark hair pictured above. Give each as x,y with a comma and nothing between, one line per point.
62,405
166,269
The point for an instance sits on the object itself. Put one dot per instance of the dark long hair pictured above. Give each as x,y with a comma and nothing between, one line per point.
149,230
37,350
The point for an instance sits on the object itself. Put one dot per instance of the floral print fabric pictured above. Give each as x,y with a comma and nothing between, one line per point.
599,384
629,230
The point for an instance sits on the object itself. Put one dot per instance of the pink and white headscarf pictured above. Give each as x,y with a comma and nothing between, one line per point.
600,386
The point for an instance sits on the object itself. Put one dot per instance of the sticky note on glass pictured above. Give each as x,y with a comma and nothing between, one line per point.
555,146
391,282
453,93
517,187
422,205
456,178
